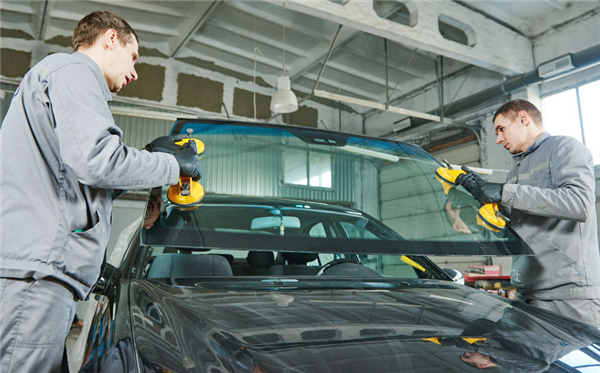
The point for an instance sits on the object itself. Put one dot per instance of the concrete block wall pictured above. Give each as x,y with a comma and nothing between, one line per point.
186,86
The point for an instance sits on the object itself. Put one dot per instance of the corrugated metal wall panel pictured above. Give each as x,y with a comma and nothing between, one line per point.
367,187
137,132
412,212
237,167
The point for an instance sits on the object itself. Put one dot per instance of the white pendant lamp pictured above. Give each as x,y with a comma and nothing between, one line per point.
284,100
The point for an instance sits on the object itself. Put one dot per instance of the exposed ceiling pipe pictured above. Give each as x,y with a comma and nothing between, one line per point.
579,61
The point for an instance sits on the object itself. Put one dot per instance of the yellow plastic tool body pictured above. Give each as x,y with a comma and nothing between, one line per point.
412,263
488,215
468,340
199,144
187,191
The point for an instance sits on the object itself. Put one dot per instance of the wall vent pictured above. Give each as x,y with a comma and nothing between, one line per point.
555,67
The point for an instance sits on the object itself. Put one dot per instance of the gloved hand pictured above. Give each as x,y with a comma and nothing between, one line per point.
470,179
165,144
187,157
483,191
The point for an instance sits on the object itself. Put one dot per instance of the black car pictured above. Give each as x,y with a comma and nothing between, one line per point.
309,253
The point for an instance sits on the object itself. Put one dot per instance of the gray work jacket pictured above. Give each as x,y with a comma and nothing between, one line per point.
61,161
551,195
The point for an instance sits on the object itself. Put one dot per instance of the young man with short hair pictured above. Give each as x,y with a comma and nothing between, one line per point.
62,163
550,199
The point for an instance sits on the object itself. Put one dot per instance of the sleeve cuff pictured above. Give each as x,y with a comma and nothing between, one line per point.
509,191
174,167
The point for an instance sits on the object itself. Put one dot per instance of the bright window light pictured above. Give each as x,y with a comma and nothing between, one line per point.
561,115
320,170
295,166
589,99
575,113
303,168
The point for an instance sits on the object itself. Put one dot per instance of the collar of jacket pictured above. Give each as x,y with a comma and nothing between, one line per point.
97,73
536,144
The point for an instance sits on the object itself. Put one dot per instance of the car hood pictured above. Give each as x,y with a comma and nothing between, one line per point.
274,325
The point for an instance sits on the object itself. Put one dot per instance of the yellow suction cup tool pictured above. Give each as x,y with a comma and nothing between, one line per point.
488,215
447,178
187,192
199,144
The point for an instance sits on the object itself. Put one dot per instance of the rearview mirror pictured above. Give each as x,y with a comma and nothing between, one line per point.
274,222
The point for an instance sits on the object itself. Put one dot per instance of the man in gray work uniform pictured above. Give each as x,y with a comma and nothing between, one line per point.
62,162
550,198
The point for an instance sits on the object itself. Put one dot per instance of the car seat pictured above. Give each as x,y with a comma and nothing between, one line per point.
261,263
297,263
185,265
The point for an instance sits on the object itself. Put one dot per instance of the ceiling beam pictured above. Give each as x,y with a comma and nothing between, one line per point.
187,29
496,47
560,5
250,56
249,8
343,38
252,37
43,20
393,63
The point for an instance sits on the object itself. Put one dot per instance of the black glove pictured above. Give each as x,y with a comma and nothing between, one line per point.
489,193
165,144
483,191
187,157
470,179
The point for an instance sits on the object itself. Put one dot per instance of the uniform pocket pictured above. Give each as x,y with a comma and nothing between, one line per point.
550,267
82,252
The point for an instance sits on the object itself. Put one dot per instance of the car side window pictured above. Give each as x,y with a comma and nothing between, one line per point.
354,232
318,230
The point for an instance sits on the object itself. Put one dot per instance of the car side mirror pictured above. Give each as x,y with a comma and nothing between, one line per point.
109,274
455,275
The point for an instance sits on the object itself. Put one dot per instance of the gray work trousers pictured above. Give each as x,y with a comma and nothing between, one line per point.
586,310
35,318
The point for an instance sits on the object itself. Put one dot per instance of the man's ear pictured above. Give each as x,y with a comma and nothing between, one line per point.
110,39
524,118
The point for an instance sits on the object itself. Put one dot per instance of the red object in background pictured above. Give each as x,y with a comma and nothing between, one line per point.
483,272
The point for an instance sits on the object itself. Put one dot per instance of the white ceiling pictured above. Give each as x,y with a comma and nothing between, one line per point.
254,37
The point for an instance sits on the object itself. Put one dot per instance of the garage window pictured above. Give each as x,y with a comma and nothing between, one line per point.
304,168
575,113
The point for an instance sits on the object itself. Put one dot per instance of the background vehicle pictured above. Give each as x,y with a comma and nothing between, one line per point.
309,254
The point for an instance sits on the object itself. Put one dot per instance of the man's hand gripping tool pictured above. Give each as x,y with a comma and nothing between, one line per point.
187,192
488,215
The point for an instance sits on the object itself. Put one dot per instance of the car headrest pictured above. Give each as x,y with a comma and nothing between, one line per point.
186,265
260,259
299,258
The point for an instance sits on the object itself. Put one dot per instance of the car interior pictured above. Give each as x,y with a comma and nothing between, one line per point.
172,262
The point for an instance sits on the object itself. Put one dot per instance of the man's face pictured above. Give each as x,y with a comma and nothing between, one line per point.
512,134
476,359
119,70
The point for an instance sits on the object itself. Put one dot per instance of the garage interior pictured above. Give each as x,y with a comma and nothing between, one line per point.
430,73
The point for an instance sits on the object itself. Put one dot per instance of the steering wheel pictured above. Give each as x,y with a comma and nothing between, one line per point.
333,263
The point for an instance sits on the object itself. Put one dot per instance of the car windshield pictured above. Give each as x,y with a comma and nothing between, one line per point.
296,189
